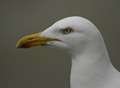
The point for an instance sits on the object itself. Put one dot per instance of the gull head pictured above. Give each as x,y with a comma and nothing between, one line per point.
70,33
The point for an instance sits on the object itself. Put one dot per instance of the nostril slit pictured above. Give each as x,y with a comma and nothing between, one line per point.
30,38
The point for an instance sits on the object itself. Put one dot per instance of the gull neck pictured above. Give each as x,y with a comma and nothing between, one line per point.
92,67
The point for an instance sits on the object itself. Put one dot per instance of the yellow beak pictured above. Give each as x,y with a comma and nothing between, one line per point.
32,40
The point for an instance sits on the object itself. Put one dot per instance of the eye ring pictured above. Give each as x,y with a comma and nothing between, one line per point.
66,30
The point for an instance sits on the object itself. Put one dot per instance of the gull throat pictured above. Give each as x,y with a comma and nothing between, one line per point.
92,67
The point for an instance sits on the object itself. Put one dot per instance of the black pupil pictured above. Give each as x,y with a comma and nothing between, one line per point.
67,30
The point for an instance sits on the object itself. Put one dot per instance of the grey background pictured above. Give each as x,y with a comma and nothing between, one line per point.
47,67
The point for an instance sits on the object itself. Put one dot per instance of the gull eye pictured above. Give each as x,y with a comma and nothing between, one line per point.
66,30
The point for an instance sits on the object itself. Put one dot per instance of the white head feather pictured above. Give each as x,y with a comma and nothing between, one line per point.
91,66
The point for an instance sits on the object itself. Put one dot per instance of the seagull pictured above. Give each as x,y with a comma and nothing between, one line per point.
91,64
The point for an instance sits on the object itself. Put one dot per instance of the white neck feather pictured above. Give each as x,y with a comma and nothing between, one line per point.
92,67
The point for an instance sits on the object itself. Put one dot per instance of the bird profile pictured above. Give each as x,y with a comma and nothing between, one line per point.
91,65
